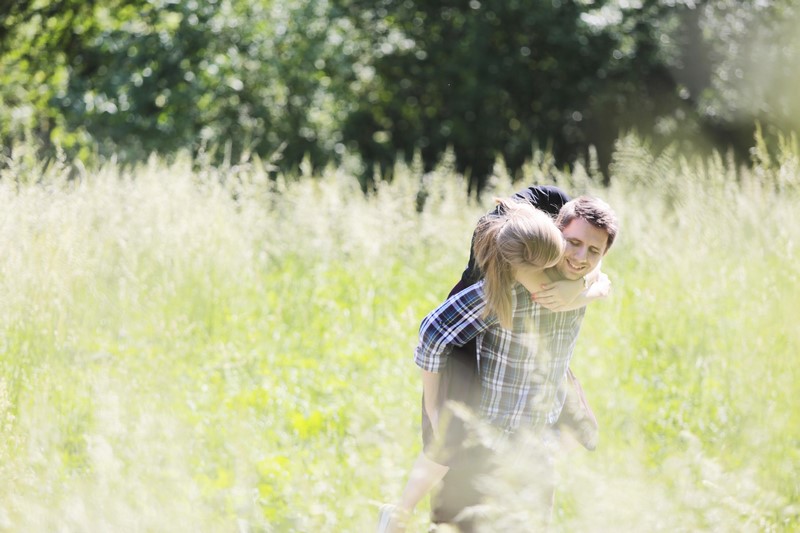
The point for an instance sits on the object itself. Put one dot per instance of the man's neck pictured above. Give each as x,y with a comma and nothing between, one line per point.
554,274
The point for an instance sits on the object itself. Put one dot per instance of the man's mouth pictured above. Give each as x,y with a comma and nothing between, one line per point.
573,266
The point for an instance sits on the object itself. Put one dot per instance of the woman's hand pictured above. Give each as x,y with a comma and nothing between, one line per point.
557,295
567,295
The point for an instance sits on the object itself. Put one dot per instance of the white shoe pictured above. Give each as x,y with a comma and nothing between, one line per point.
391,519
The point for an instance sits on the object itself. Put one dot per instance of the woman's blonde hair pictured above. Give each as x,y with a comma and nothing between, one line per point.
515,234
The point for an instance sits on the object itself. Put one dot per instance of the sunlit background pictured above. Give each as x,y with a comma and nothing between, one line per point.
221,223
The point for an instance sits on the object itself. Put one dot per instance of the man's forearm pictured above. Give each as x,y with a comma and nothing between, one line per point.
600,287
430,389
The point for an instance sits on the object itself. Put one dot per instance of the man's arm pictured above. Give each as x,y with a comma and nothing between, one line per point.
454,323
430,393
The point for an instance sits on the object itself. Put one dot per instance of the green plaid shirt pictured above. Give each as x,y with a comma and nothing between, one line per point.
520,369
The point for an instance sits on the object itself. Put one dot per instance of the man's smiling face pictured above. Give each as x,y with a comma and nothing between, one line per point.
585,246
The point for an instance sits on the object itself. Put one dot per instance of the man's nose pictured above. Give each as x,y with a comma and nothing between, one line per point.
580,253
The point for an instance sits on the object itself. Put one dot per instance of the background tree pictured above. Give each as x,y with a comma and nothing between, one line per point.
755,50
138,76
492,77
302,79
481,77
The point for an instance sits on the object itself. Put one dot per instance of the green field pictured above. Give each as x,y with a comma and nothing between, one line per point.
198,349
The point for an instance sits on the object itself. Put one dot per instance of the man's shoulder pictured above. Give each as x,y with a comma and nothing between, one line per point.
466,306
469,295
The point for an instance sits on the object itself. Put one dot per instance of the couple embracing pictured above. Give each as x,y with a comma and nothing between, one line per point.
500,346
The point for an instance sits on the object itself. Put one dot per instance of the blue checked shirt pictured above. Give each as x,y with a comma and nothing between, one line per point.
521,369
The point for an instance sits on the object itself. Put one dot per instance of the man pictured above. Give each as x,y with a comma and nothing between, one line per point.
549,199
459,377
522,369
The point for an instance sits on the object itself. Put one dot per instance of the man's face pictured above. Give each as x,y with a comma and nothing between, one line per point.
585,246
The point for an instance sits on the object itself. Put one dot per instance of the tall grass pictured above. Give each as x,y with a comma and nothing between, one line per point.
213,350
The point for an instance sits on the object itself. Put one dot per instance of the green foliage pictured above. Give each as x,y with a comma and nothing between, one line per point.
305,81
135,77
154,353
755,46
507,78
218,350
481,77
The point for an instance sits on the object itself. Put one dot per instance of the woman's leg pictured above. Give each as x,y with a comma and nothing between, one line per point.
425,474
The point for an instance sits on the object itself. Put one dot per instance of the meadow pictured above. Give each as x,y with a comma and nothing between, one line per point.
207,349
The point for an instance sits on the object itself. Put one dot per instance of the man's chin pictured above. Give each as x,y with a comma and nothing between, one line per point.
570,274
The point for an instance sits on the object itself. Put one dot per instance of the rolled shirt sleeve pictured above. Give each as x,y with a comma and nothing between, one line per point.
454,323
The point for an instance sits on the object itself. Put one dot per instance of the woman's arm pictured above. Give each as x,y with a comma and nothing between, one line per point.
568,295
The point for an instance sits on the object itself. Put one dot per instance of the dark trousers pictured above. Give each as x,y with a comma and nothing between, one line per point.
521,469
460,488
470,460
459,382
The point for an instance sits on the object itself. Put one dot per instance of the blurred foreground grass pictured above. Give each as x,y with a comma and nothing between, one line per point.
210,350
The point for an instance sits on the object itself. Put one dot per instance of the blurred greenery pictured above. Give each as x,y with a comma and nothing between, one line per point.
309,81
216,349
